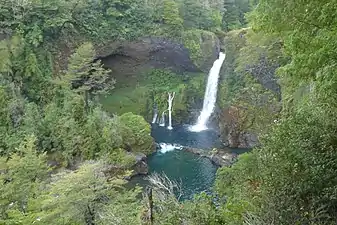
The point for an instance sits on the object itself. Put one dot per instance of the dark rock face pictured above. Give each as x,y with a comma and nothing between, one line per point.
239,139
264,72
233,124
248,140
131,58
140,167
236,121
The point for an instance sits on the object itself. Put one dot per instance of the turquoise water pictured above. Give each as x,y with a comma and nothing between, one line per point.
207,139
195,174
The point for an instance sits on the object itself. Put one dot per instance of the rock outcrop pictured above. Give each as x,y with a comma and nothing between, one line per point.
196,53
234,125
220,157
130,58
249,92
140,167
223,157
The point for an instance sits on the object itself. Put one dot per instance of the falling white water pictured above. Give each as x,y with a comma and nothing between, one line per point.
155,115
164,147
210,95
170,101
162,120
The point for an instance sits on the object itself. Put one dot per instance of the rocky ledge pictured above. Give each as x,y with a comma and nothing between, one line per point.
220,157
139,167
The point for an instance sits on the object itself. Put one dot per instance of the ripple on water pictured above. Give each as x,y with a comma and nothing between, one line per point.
195,173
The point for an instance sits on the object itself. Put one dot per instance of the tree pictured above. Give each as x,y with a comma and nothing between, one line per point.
21,175
290,175
234,14
138,138
84,197
196,14
172,19
85,76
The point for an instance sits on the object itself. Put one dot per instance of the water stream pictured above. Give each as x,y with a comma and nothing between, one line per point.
155,114
162,120
170,102
210,95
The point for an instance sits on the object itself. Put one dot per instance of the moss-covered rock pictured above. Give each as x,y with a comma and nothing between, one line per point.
147,69
152,92
203,46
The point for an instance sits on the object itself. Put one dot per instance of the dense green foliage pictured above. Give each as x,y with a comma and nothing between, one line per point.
195,24
152,92
50,119
289,180
62,156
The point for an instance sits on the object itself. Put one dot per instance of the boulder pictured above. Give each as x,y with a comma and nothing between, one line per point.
140,166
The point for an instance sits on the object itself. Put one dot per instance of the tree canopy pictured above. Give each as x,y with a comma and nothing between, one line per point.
62,157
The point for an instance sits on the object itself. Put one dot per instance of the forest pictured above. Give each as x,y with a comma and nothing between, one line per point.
64,157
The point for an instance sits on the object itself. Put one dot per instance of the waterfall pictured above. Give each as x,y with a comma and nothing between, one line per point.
155,114
162,120
170,101
166,147
210,95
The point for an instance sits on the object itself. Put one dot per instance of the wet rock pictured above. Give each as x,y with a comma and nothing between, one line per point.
196,151
220,157
223,157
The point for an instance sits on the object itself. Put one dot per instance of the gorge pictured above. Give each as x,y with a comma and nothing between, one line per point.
195,173
168,112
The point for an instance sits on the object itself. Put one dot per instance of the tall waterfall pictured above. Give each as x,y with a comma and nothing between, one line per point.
162,120
170,101
210,95
155,114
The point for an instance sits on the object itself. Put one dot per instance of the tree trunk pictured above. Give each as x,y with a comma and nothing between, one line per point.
150,199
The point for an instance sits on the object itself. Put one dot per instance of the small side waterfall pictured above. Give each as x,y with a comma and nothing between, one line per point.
170,101
155,114
210,95
162,120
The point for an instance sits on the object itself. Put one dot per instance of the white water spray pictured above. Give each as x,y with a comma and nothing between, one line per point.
170,101
210,95
166,147
162,120
155,115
